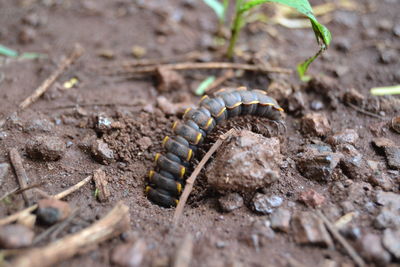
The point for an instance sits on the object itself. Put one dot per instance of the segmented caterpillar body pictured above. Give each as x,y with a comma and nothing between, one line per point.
165,185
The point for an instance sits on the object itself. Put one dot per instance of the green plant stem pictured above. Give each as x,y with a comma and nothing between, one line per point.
235,30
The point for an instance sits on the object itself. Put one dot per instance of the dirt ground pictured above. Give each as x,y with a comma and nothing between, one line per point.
359,176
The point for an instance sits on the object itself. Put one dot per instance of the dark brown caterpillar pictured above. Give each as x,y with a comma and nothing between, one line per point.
165,185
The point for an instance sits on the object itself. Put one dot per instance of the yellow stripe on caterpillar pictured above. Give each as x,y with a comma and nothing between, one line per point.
235,105
157,157
190,154
221,112
165,140
198,138
182,172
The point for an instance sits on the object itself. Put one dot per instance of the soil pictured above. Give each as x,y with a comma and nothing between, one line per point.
365,53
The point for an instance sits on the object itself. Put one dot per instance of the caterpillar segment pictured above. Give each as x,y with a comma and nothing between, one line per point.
165,184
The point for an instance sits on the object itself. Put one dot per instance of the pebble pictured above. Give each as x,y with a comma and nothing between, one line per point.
317,105
372,249
230,202
395,124
347,136
170,108
354,97
14,236
389,56
144,143
101,152
391,241
312,198
169,80
317,165
246,163
389,215
51,211
103,123
266,204
343,44
352,162
382,180
258,234
129,255
315,124
39,125
280,220
4,167
310,230
27,36
138,51
44,147
393,157
296,103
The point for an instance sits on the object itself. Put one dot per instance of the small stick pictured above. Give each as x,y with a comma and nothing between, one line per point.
335,233
76,53
60,195
113,224
183,254
365,112
226,76
18,190
206,65
190,181
22,177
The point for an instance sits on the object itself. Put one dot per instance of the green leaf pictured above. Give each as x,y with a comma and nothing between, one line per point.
201,89
302,67
218,8
8,52
387,90
30,55
302,6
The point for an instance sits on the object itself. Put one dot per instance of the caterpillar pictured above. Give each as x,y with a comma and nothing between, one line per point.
166,184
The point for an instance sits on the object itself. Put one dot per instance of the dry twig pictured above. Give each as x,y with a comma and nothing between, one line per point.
113,224
18,190
204,65
60,195
335,233
76,53
190,181
365,112
22,177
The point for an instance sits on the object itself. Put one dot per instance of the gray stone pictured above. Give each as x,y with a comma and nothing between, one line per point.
310,230
317,165
258,234
388,199
14,236
347,136
387,217
101,152
393,157
230,202
280,220
391,241
266,204
39,125
371,249
47,148
315,124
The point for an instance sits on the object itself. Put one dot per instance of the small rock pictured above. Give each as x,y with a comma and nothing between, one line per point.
4,167
39,125
354,97
396,124
316,105
312,198
296,103
170,108
129,255
101,152
371,249
144,142
310,230
280,220
343,45
47,148
27,36
279,89
352,162
51,211
391,241
389,56
388,199
103,123
230,202
34,19
266,204
169,80
382,142
348,136
382,180
247,162
315,124
138,51
393,157
396,30
389,215
14,236
317,165
258,234
106,53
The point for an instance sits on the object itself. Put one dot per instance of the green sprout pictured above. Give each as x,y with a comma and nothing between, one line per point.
322,34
